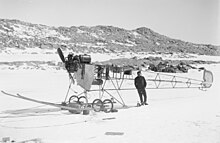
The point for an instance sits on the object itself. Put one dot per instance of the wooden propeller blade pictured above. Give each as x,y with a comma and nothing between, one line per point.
59,51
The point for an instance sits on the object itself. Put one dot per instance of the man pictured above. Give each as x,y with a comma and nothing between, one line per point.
140,84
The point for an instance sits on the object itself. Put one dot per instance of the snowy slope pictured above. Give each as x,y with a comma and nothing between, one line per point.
19,37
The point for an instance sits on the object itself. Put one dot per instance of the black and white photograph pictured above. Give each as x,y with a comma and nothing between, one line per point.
109,71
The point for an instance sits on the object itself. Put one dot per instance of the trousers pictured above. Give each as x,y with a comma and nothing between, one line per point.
142,93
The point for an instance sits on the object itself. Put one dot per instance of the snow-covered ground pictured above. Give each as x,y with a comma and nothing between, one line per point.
49,55
172,116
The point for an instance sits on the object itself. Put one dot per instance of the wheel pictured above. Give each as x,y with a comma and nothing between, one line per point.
97,105
107,105
73,99
82,99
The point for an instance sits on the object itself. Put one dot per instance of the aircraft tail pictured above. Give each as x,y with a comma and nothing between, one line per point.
207,78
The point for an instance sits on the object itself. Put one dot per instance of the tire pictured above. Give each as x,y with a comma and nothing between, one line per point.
97,105
82,99
107,105
73,99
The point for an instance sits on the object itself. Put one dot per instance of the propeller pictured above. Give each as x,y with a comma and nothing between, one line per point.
59,51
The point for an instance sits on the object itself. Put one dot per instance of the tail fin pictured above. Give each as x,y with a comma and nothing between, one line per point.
207,78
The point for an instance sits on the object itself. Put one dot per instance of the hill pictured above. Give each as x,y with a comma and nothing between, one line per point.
19,35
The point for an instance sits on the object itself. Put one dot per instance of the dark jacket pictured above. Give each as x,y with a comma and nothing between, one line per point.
140,82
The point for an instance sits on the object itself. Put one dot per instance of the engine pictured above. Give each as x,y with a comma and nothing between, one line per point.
74,62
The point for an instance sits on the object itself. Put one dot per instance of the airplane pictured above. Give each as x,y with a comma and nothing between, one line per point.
102,79
88,75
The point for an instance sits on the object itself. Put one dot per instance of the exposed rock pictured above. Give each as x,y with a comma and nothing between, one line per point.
157,64
102,39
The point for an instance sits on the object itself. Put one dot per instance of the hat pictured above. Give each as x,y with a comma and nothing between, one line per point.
138,72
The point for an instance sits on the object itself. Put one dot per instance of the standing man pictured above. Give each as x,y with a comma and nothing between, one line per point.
140,84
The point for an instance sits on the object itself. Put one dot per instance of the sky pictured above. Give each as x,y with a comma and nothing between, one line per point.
196,21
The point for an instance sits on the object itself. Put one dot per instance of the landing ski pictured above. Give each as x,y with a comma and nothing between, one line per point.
65,107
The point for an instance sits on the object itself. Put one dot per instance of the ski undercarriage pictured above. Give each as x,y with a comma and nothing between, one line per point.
73,106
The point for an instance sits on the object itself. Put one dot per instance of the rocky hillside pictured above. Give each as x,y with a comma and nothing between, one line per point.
15,34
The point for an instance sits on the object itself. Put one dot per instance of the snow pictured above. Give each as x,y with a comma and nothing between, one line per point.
3,31
94,35
137,35
6,28
80,31
130,44
172,116
23,31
